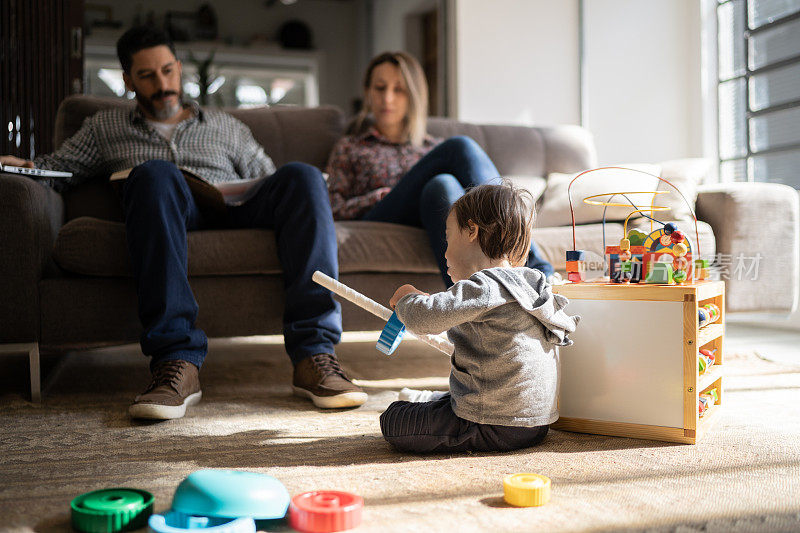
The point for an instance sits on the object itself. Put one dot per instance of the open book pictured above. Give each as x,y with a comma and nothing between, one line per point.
208,196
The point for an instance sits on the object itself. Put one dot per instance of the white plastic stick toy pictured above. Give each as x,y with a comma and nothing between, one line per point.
337,287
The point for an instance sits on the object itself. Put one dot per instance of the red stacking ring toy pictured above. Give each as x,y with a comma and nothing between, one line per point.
324,511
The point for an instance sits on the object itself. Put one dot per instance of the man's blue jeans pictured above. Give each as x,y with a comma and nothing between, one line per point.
159,211
423,197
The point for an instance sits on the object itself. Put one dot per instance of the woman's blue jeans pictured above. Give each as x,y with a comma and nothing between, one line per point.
423,197
160,210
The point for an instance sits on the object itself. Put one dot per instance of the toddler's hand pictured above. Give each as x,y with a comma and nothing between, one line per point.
402,291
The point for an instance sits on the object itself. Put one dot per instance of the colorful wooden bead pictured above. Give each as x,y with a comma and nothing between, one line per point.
665,240
677,236
636,237
679,249
625,255
576,266
669,227
575,255
576,277
680,263
679,276
710,355
625,244
702,317
713,310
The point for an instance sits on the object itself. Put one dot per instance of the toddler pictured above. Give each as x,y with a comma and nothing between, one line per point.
505,323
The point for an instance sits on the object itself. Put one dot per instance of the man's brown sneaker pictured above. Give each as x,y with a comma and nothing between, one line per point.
321,379
175,385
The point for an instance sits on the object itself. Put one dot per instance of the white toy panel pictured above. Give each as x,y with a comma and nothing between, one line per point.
626,364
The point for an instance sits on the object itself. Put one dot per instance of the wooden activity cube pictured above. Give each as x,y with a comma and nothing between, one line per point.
633,368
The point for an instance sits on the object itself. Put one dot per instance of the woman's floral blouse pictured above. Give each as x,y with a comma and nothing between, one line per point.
362,169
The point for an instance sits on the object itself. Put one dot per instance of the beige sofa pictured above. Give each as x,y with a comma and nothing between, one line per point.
66,283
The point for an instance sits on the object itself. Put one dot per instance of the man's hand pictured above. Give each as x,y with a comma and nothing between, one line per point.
15,161
402,291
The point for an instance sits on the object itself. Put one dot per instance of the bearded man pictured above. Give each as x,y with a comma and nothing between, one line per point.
160,135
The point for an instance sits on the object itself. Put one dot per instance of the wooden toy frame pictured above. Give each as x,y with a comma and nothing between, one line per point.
617,380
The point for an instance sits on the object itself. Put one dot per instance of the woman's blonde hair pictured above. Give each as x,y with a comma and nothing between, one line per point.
415,121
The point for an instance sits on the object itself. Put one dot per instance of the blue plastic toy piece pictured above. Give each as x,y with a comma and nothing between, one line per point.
175,522
231,494
391,336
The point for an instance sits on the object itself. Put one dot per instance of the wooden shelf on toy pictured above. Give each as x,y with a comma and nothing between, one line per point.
712,375
705,422
709,333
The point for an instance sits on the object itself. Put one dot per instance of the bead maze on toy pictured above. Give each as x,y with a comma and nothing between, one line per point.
664,256
393,332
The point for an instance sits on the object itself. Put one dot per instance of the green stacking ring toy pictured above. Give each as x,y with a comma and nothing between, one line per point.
111,510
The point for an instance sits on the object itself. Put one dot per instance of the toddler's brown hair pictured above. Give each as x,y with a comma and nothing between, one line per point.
504,216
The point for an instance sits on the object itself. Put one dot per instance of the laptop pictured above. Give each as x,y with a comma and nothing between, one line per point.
35,172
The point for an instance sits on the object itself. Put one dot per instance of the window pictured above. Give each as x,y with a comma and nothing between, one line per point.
239,78
759,90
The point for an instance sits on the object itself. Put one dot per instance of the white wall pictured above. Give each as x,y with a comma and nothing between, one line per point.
334,26
643,79
516,61
389,18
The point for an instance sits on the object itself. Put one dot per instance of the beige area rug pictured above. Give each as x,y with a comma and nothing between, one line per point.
744,475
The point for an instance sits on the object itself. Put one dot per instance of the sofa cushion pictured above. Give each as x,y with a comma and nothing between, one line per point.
563,148
94,247
533,184
555,211
684,174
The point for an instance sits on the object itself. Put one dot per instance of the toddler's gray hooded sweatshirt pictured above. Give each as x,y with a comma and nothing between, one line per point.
506,324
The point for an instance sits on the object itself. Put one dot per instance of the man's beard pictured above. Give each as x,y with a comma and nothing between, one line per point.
164,113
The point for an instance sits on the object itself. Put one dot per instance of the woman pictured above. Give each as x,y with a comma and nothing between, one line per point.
388,169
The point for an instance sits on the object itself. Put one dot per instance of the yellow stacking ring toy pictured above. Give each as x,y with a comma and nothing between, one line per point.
526,490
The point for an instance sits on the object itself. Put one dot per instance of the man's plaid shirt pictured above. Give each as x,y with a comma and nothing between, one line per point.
212,144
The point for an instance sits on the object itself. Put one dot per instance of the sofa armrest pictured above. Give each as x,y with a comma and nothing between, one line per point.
756,226
30,218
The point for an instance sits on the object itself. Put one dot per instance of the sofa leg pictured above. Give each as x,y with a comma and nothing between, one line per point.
36,374
32,349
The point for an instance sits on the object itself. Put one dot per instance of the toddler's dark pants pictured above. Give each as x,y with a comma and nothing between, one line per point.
427,427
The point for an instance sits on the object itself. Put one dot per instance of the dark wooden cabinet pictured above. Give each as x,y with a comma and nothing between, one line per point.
41,62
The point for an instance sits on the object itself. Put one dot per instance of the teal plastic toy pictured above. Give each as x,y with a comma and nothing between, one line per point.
231,494
174,522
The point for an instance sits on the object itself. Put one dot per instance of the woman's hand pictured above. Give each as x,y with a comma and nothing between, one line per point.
382,192
402,291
